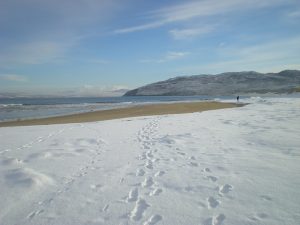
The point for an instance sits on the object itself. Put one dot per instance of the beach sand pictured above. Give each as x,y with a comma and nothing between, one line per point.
142,110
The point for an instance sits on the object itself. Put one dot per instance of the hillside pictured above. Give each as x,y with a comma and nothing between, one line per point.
229,83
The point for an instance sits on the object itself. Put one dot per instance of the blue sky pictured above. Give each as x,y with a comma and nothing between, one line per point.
94,47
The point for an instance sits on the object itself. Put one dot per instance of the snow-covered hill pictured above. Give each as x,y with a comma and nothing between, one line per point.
224,84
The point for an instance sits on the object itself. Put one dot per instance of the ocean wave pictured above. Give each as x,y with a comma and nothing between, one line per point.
9,105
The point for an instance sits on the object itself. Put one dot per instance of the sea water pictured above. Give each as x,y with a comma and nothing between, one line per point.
26,108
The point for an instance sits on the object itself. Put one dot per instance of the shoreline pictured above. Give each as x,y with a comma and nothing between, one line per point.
119,113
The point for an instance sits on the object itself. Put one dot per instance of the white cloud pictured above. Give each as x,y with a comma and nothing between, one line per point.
169,56
13,77
295,14
288,48
140,27
265,57
101,91
195,9
86,90
35,52
175,55
182,34
41,31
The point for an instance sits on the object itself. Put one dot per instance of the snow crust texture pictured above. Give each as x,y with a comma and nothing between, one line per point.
232,166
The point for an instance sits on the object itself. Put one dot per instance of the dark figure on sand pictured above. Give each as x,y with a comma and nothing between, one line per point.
237,98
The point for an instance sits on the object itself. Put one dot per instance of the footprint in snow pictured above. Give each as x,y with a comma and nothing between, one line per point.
212,178
266,198
216,220
149,154
142,156
262,215
133,195
140,172
122,180
181,153
212,202
6,150
149,164
224,189
155,192
258,217
193,164
95,186
140,207
207,170
159,173
34,213
105,208
148,182
153,220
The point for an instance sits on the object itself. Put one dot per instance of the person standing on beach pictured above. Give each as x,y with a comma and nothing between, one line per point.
238,98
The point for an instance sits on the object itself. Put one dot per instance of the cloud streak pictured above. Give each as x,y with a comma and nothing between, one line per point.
265,57
41,31
169,56
183,34
36,52
197,9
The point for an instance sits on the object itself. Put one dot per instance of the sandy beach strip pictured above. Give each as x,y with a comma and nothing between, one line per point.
135,111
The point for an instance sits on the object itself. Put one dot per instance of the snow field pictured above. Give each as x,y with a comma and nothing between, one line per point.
231,166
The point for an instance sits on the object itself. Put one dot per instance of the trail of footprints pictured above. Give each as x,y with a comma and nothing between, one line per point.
151,188
148,187
213,202
34,141
70,180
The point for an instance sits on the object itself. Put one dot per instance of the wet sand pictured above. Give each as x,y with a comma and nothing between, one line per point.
136,111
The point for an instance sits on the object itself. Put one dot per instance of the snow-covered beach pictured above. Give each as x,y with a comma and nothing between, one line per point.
230,166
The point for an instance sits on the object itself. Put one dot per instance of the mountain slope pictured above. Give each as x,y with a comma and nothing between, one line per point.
223,84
